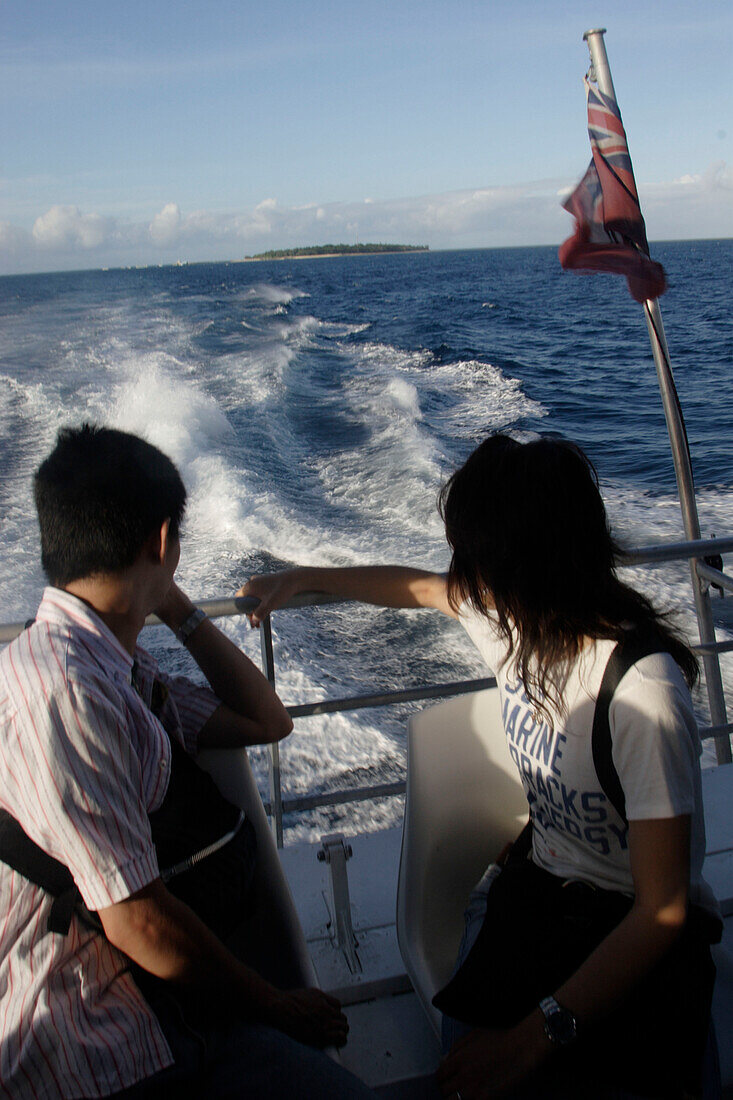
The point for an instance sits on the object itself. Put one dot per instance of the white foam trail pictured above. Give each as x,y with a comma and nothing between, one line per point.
276,295
175,415
228,515
156,394
29,420
407,404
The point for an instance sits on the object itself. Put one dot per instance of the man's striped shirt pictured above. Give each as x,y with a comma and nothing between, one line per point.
82,763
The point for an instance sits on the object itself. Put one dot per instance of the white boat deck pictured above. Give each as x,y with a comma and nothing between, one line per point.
392,1046
390,1039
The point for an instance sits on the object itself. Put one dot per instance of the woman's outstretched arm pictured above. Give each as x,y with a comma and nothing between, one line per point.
384,585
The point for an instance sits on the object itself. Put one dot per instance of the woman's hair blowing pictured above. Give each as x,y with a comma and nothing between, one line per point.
527,526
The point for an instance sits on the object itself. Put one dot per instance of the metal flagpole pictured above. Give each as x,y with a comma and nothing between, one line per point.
601,74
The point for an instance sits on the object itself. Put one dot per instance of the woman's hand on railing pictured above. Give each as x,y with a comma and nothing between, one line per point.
273,590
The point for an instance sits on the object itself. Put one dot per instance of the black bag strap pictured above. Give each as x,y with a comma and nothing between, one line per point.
218,821
18,851
632,648
178,849
191,787
23,855
638,644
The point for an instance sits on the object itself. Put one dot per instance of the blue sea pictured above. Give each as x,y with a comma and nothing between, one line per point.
314,408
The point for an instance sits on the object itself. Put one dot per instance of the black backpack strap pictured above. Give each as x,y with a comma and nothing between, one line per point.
180,838
632,648
18,851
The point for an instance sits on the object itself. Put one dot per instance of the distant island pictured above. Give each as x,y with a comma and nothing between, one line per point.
335,250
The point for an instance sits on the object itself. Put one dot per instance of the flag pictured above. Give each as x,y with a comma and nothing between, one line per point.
610,234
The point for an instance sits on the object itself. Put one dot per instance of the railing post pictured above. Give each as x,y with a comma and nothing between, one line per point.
276,801
691,522
680,451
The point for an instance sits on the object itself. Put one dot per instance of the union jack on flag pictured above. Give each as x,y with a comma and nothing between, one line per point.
610,234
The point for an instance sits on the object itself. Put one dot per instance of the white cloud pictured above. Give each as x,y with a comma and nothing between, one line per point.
166,226
701,201
692,205
64,227
718,176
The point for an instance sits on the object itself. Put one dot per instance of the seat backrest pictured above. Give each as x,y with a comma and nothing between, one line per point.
272,939
464,803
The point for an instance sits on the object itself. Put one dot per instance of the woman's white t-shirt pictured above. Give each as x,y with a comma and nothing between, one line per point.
656,749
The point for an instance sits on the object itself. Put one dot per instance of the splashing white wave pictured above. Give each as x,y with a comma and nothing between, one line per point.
276,295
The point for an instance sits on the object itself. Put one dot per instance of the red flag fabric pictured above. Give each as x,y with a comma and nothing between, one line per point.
610,234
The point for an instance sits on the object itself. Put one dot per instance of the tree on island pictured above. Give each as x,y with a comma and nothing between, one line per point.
336,250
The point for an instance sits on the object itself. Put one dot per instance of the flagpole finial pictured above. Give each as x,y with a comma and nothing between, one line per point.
600,72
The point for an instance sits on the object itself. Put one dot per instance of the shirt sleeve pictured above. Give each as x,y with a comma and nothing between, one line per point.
79,794
656,746
483,632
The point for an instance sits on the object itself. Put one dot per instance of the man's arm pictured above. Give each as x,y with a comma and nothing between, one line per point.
384,585
251,713
167,939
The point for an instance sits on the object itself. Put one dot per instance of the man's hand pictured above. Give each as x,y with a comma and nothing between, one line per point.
174,608
166,938
251,713
310,1016
488,1063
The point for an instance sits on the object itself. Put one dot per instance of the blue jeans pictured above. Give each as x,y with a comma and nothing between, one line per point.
229,1060
554,1083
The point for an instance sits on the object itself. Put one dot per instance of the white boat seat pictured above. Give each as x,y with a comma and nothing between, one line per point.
464,803
271,940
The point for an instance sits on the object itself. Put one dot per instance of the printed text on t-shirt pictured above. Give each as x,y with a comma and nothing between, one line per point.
537,750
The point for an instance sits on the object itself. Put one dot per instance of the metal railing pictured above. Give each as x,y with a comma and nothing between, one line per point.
695,551
660,554
277,805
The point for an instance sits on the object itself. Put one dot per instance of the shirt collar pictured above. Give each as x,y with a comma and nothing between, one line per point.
61,609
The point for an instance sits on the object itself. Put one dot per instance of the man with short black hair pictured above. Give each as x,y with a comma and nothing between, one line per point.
85,763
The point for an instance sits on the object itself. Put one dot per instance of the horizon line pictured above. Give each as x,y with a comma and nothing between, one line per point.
422,251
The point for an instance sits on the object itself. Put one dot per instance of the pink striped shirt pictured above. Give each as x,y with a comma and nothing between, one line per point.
82,761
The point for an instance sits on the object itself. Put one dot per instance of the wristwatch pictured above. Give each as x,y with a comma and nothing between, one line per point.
189,624
560,1025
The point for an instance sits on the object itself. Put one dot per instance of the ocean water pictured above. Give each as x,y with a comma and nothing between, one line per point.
314,408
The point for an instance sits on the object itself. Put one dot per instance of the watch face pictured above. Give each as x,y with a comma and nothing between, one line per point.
560,1026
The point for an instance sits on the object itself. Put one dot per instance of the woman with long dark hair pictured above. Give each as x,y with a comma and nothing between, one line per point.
604,890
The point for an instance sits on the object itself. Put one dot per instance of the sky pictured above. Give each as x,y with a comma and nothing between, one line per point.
154,131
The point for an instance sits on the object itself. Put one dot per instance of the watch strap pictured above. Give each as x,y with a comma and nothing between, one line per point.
189,624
